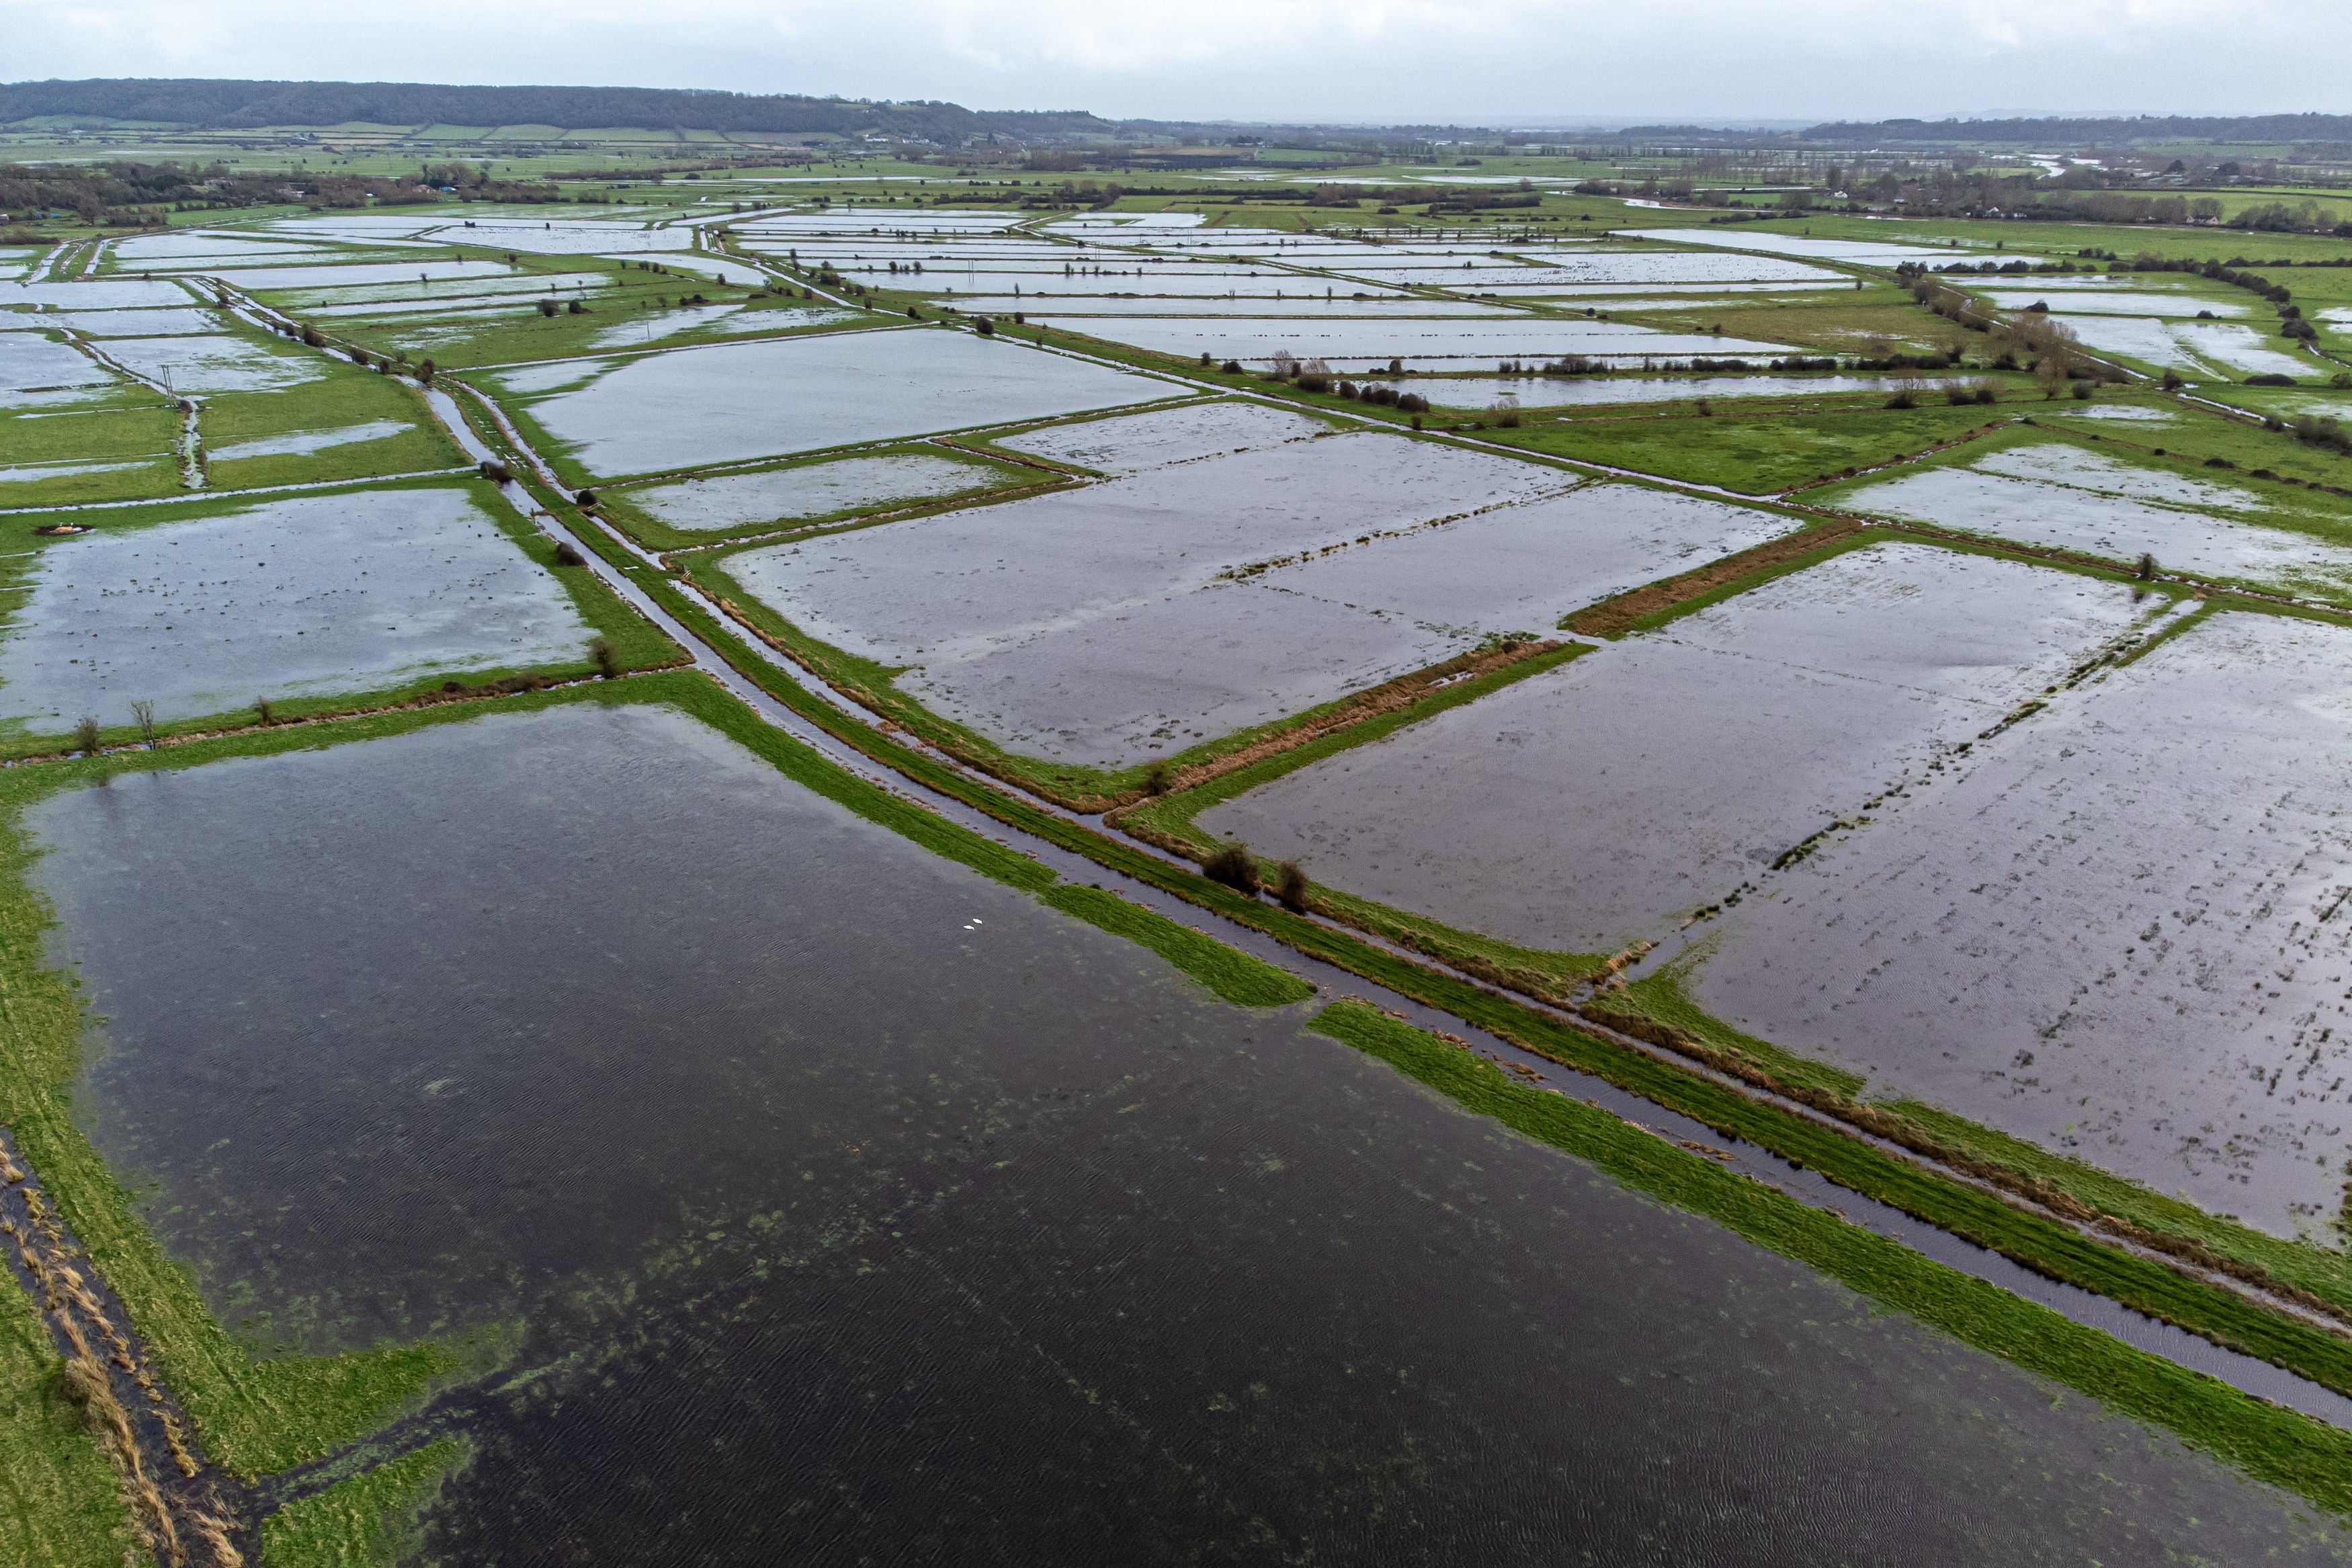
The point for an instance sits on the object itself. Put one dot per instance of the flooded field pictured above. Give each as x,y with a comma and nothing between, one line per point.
1353,343
1131,443
2113,934
1522,568
2060,495
1601,802
736,402
1560,391
961,583
845,486
288,598
1010,1263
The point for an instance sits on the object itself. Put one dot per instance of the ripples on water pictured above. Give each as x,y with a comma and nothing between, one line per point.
859,1209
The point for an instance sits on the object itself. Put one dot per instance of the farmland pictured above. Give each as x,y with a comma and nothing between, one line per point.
842,820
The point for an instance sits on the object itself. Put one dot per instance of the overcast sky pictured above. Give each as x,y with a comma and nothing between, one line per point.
1494,62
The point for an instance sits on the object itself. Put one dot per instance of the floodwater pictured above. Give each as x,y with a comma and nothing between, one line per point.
214,364
1601,802
1131,443
302,443
290,598
2118,526
1522,568
1554,392
845,486
2116,933
1047,1257
1380,340
961,583
739,401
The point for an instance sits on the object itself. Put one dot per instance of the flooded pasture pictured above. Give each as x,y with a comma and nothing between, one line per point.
2113,933
1131,443
845,486
734,402
1600,802
1049,1256
961,583
290,598
2119,526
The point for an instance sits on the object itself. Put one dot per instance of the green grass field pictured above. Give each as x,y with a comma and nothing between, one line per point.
1755,454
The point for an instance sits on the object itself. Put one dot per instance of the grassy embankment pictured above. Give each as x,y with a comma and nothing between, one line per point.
635,642
2033,1239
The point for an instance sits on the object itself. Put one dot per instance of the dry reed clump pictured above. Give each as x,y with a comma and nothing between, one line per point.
264,710
1234,866
568,554
608,658
1290,887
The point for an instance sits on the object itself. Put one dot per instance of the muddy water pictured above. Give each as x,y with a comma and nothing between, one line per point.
854,1208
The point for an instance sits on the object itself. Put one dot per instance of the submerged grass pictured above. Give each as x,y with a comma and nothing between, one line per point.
255,1415
366,1521
2276,1445
635,642
258,1414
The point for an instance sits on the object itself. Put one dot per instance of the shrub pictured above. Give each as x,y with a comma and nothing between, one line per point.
1158,778
547,307
144,711
496,473
577,308
1290,887
1903,399
1231,367
311,337
2270,380
585,498
1234,866
1705,409
987,329
2081,392
568,554
2218,463
1956,396
608,659
85,736
2147,572
264,710
1314,383
425,370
